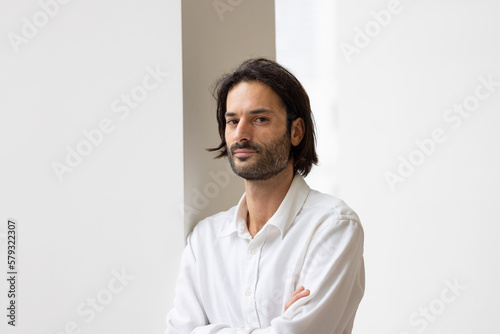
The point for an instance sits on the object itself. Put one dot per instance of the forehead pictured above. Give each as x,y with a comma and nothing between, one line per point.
253,95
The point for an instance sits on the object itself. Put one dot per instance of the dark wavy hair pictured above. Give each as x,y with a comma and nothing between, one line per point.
293,97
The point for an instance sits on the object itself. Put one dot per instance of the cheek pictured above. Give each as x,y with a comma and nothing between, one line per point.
276,135
227,137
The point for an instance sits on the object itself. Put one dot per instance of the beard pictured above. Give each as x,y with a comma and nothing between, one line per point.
272,159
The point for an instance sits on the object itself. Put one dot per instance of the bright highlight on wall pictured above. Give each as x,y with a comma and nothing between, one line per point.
407,93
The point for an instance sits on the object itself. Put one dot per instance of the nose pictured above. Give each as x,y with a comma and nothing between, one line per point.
243,131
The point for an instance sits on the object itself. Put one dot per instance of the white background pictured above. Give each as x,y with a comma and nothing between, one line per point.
118,209
442,222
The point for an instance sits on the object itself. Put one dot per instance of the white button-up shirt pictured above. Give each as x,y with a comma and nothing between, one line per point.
230,282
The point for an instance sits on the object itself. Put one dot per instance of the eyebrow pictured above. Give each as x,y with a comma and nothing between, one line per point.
252,112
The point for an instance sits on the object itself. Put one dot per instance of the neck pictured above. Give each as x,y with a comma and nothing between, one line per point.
264,198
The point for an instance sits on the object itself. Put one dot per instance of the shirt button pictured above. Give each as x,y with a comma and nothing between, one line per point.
249,292
254,251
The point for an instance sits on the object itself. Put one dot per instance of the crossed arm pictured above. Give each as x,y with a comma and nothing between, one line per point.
336,279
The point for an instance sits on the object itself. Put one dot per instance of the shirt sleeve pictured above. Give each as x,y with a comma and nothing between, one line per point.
188,312
333,270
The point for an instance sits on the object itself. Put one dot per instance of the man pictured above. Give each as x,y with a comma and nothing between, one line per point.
286,259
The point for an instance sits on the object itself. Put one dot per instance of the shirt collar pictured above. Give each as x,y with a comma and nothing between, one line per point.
282,218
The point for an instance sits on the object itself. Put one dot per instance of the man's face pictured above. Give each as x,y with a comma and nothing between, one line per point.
257,139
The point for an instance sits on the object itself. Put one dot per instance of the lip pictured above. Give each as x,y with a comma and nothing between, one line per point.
243,153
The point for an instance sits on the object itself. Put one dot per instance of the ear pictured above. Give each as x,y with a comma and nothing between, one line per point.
297,131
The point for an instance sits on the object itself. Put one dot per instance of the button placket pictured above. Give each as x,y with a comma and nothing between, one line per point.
253,260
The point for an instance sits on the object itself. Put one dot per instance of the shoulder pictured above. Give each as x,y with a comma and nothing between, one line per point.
334,226
326,214
329,205
212,226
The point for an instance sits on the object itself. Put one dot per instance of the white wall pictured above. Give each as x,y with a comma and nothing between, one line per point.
117,209
440,223
438,226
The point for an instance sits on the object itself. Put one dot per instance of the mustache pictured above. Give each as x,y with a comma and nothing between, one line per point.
245,146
